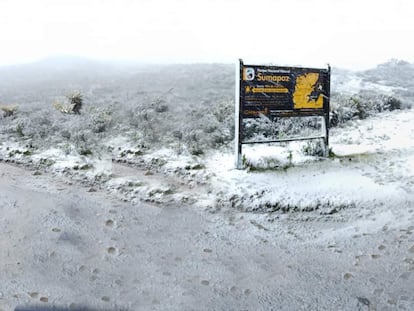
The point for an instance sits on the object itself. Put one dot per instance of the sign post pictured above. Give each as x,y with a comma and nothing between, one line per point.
238,115
279,92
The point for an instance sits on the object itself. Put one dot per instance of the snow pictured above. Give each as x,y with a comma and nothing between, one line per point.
60,161
342,224
382,133
373,164
410,166
310,183
353,84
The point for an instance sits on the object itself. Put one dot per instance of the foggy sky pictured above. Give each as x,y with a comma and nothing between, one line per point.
353,34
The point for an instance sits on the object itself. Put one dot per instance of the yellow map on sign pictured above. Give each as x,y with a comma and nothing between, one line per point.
306,87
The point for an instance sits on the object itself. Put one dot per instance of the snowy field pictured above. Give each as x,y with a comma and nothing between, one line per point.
140,208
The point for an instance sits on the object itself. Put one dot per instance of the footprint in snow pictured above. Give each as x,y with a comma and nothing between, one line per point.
34,294
112,250
110,223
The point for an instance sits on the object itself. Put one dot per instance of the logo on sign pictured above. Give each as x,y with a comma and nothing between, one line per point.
248,74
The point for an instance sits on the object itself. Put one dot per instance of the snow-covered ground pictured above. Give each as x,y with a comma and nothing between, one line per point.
353,84
372,162
327,233
372,165
129,228
80,248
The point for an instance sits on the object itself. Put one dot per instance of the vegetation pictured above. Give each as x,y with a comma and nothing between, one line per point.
8,111
74,106
360,106
186,107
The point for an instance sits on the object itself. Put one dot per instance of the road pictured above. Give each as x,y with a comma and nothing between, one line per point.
65,246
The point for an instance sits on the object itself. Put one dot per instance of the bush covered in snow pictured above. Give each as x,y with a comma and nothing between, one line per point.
280,128
186,107
8,111
189,108
360,106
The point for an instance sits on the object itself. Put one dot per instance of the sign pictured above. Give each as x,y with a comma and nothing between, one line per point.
277,92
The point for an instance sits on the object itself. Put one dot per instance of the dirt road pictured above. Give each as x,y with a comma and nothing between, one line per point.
63,246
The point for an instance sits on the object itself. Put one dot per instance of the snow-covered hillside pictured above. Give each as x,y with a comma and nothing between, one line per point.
182,131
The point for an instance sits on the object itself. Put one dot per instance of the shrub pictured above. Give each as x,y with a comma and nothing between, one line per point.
100,120
74,106
279,128
392,103
360,106
314,148
8,111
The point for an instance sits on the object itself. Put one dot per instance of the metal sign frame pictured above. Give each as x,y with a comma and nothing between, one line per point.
280,92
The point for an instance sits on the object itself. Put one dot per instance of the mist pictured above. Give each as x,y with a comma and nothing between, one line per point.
351,34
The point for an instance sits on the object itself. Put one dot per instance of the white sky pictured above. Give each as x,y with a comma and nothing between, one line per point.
352,34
